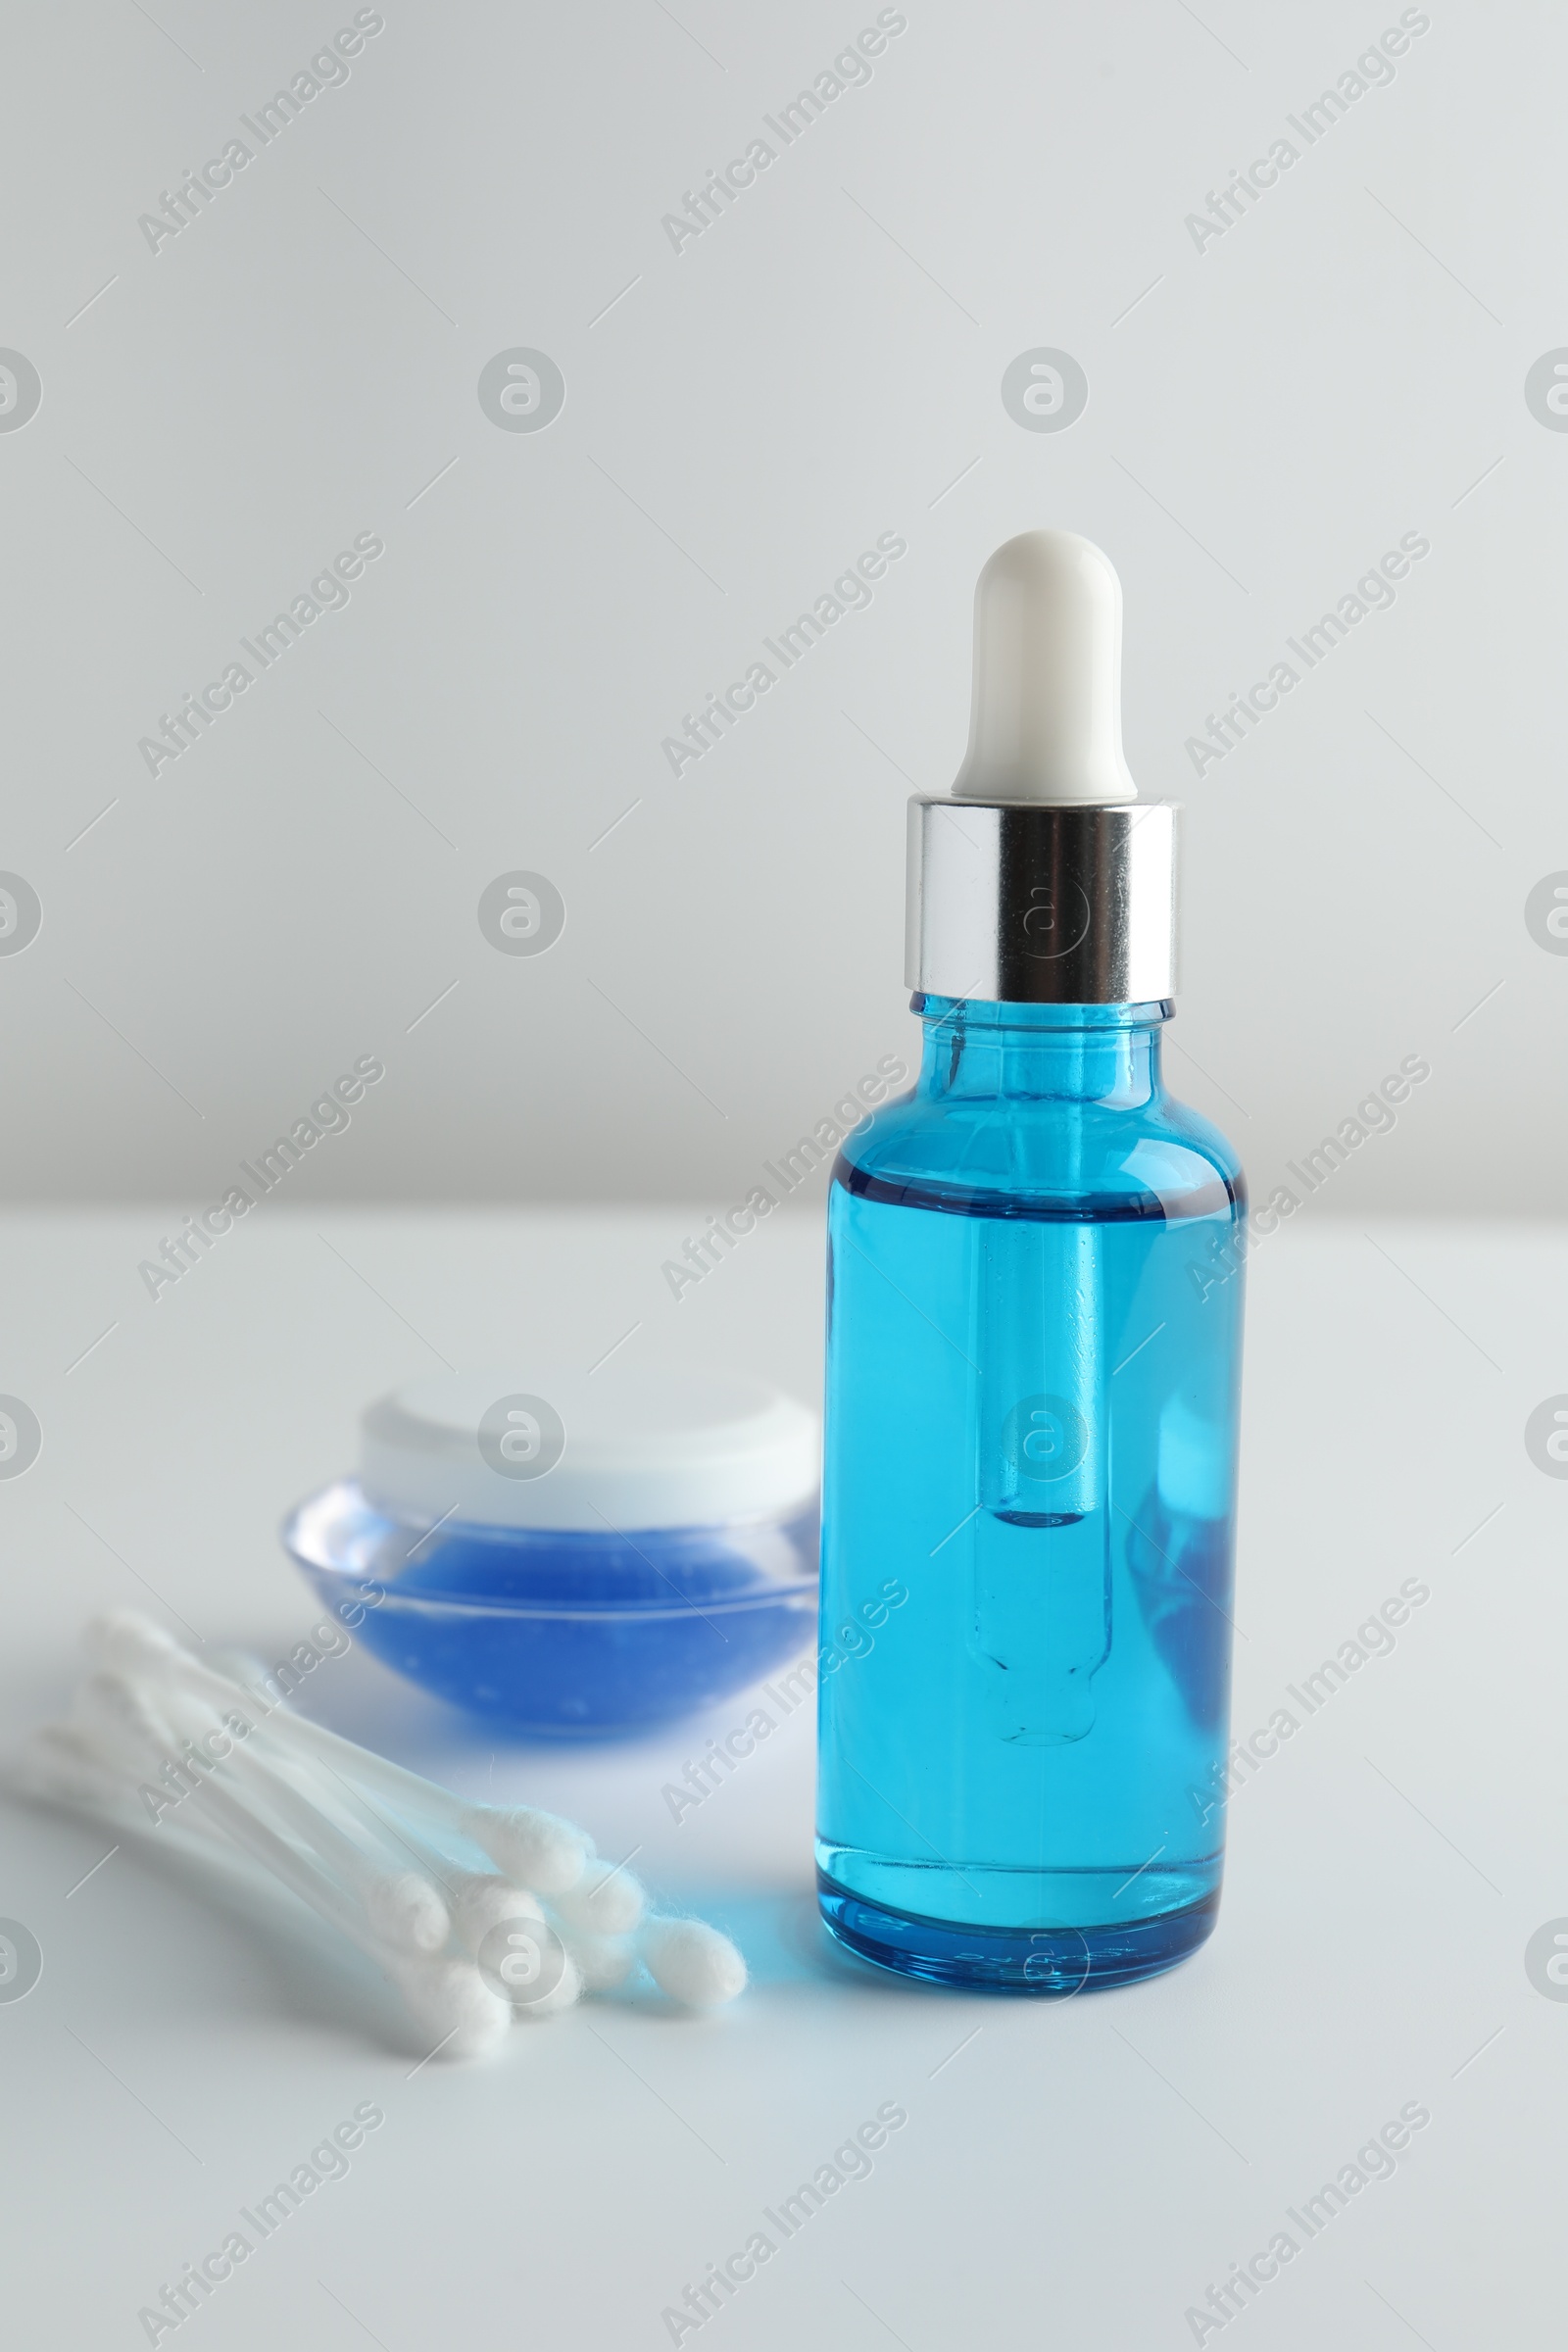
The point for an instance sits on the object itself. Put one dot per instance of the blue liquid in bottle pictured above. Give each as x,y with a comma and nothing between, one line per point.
1034,1340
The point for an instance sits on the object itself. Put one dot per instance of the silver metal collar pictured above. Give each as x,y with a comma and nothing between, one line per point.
1016,902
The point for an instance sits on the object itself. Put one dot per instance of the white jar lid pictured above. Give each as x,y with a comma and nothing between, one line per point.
614,1449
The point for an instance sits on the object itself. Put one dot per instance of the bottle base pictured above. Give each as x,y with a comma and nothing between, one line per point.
1048,1962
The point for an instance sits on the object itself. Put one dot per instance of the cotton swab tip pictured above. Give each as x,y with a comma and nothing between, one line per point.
566,1992
692,1962
407,1912
481,1902
525,1964
603,1962
537,1850
451,2002
607,1900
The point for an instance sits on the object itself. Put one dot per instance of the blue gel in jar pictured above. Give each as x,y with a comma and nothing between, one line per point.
574,1558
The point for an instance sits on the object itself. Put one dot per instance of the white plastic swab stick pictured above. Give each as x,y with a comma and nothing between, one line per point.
387,1903
384,1831
117,1728
61,1764
61,1768
349,1805
241,1666
112,1722
402,1907
52,1772
368,1815
381,1929
447,1999
535,1848
286,1861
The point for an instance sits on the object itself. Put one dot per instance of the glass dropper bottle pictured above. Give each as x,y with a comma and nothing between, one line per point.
1033,1376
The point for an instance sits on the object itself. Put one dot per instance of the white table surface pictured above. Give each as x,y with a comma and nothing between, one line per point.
1071,2174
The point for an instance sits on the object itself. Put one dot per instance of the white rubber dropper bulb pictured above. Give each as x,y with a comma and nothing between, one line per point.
1046,720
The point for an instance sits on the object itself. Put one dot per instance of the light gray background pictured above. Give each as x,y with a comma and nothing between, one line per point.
1345,364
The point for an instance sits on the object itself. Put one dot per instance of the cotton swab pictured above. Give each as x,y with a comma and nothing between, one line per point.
401,1896
401,1907
540,1850
520,1953
607,1900
447,1997
553,1998
537,1850
127,1708
603,1962
452,2000
58,1764
159,1740
692,1962
482,1902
